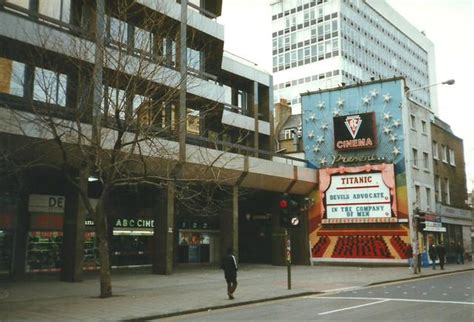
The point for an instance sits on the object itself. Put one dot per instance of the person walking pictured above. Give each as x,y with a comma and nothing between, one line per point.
441,251
229,265
460,253
410,257
432,253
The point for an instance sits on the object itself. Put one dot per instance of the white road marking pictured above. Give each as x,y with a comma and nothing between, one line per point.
342,289
388,299
353,307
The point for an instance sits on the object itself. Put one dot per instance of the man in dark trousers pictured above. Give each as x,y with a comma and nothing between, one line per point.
229,265
433,254
441,251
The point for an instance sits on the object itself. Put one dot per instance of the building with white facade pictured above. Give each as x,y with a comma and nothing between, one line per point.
320,44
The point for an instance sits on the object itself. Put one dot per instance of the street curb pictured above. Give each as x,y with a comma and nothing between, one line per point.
420,276
219,307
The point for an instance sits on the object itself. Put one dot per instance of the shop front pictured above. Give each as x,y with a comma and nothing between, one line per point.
199,241
7,215
132,242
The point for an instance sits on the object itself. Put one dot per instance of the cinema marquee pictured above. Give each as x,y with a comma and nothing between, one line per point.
355,131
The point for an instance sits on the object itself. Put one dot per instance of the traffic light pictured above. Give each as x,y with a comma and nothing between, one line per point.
289,212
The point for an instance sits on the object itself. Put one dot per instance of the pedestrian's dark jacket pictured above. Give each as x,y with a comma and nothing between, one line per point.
229,264
432,252
459,249
440,250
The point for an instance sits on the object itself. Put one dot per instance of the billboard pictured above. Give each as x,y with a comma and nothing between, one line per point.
358,194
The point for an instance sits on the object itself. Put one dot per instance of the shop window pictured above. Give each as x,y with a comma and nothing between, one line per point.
12,77
49,87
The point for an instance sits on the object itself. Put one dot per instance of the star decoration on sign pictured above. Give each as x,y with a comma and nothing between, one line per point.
340,102
316,149
311,135
387,116
392,138
324,126
387,98
397,123
320,139
387,130
323,161
336,113
312,117
374,93
321,105
366,100
396,151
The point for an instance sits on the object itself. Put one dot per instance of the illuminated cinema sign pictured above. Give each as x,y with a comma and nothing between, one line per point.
356,131
358,194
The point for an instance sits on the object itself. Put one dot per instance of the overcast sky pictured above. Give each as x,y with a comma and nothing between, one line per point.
447,23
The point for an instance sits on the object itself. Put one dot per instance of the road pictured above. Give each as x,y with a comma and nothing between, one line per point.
439,298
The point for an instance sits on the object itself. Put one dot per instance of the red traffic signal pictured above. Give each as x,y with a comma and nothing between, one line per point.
283,204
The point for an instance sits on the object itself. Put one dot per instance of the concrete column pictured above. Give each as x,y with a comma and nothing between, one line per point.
22,223
162,261
255,115
73,236
229,224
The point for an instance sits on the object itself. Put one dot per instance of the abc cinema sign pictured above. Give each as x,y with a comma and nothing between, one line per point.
353,132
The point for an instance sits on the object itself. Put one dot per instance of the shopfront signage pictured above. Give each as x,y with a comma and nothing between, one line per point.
354,132
46,203
434,226
362,195
134,223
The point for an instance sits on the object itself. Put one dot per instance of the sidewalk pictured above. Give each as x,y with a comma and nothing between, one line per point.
140,295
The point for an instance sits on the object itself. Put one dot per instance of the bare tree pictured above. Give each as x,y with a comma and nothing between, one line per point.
119,123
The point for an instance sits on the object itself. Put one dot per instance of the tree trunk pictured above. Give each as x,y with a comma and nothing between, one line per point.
101,229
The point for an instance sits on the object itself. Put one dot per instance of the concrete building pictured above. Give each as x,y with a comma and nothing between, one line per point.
320,44
157,76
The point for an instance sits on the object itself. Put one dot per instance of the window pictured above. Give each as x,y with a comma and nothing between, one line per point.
437,189
423,127
415,157
12,77
289,133
57,9
143,40
194,59
413,122
444,152
117,31
113,102
435,150
452,160
426,162
49,87
428,197
417,195
447,196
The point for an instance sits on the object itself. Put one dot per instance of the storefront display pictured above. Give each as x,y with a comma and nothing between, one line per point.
131,243
44,251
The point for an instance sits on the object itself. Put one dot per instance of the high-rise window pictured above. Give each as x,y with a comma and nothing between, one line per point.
428,197
423,126
49,87
12,77
114,102
444,153
143,41
447,194
426,161
117,31
57,9
413,122
438,189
